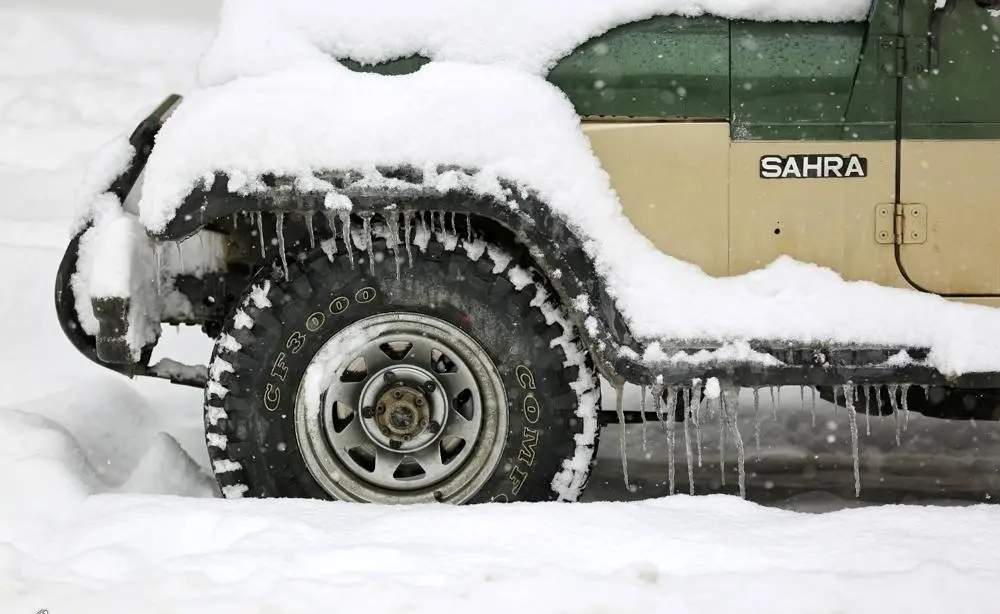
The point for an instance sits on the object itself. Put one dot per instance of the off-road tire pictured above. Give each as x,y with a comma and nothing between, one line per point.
254,448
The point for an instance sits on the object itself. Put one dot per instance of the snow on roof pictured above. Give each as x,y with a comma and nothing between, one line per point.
259,36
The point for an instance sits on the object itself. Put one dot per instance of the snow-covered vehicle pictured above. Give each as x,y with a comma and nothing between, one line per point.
419,232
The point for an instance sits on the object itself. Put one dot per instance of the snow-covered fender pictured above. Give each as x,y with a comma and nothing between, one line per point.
555,248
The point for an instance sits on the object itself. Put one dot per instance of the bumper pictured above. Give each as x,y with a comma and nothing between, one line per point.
109,347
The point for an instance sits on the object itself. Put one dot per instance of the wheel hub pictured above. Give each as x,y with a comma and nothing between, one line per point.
403,408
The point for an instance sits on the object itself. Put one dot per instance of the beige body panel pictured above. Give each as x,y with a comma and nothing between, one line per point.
959,183
830,222
672,179
700,198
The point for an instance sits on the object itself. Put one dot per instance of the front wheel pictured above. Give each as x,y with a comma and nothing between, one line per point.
457,379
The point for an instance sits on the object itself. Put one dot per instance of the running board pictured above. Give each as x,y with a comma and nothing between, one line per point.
762,364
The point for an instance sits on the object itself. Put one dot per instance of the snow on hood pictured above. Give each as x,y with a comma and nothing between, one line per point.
261,36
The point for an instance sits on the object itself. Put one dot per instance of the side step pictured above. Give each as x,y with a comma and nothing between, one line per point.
762,364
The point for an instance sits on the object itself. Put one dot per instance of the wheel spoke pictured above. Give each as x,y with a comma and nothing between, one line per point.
461,427
351,436
344,392
429,460
386,463
420,354
375,358
455,383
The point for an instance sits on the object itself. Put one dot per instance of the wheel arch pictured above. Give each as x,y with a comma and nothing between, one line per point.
513,217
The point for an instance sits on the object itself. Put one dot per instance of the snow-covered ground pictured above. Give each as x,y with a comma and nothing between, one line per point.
107,504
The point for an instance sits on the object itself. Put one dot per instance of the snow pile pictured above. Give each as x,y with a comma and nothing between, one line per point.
261,36
170,555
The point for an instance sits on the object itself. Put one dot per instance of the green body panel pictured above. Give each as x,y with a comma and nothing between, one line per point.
960,96
665,67
793,77
794,80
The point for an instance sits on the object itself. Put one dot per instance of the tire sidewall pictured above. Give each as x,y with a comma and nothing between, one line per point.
538,437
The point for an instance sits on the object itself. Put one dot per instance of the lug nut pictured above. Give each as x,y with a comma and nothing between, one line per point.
423,423
366,412
381,408
407,437
397,395
418,402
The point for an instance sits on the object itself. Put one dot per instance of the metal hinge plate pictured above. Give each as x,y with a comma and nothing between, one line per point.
900,224
892,55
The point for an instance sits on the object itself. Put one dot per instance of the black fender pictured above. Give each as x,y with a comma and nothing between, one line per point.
555,248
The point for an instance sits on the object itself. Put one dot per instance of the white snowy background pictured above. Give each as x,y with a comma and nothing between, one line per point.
106,504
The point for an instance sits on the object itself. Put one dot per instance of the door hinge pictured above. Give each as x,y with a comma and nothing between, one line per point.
892,55
900,224
902,55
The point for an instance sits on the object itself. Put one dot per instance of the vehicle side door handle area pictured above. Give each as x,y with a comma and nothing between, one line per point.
934,32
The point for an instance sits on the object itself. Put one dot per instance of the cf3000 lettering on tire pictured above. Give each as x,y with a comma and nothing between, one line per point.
453,378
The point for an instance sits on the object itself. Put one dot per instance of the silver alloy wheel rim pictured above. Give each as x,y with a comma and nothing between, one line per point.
401,408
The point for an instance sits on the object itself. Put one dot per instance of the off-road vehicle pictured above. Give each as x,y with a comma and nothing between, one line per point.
432,345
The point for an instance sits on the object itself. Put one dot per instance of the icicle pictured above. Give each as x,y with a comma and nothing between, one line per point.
756,422
407,221
619,393
868,410
671,435
904,392
180,255
814,406
642,414
696,412
892,389
158,265
468,228
774,405
392,220
688,455
849,398
454,230
312,232
331,221
730,408
366,220
260,233
279,224
345,222
720,405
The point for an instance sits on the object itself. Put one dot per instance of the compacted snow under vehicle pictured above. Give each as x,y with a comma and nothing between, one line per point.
429,346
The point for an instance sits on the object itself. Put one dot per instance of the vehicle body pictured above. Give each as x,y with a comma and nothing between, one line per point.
870,148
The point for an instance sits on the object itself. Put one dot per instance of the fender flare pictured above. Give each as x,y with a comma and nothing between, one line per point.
556,249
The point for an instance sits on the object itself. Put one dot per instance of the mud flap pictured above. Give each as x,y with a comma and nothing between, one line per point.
112,313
